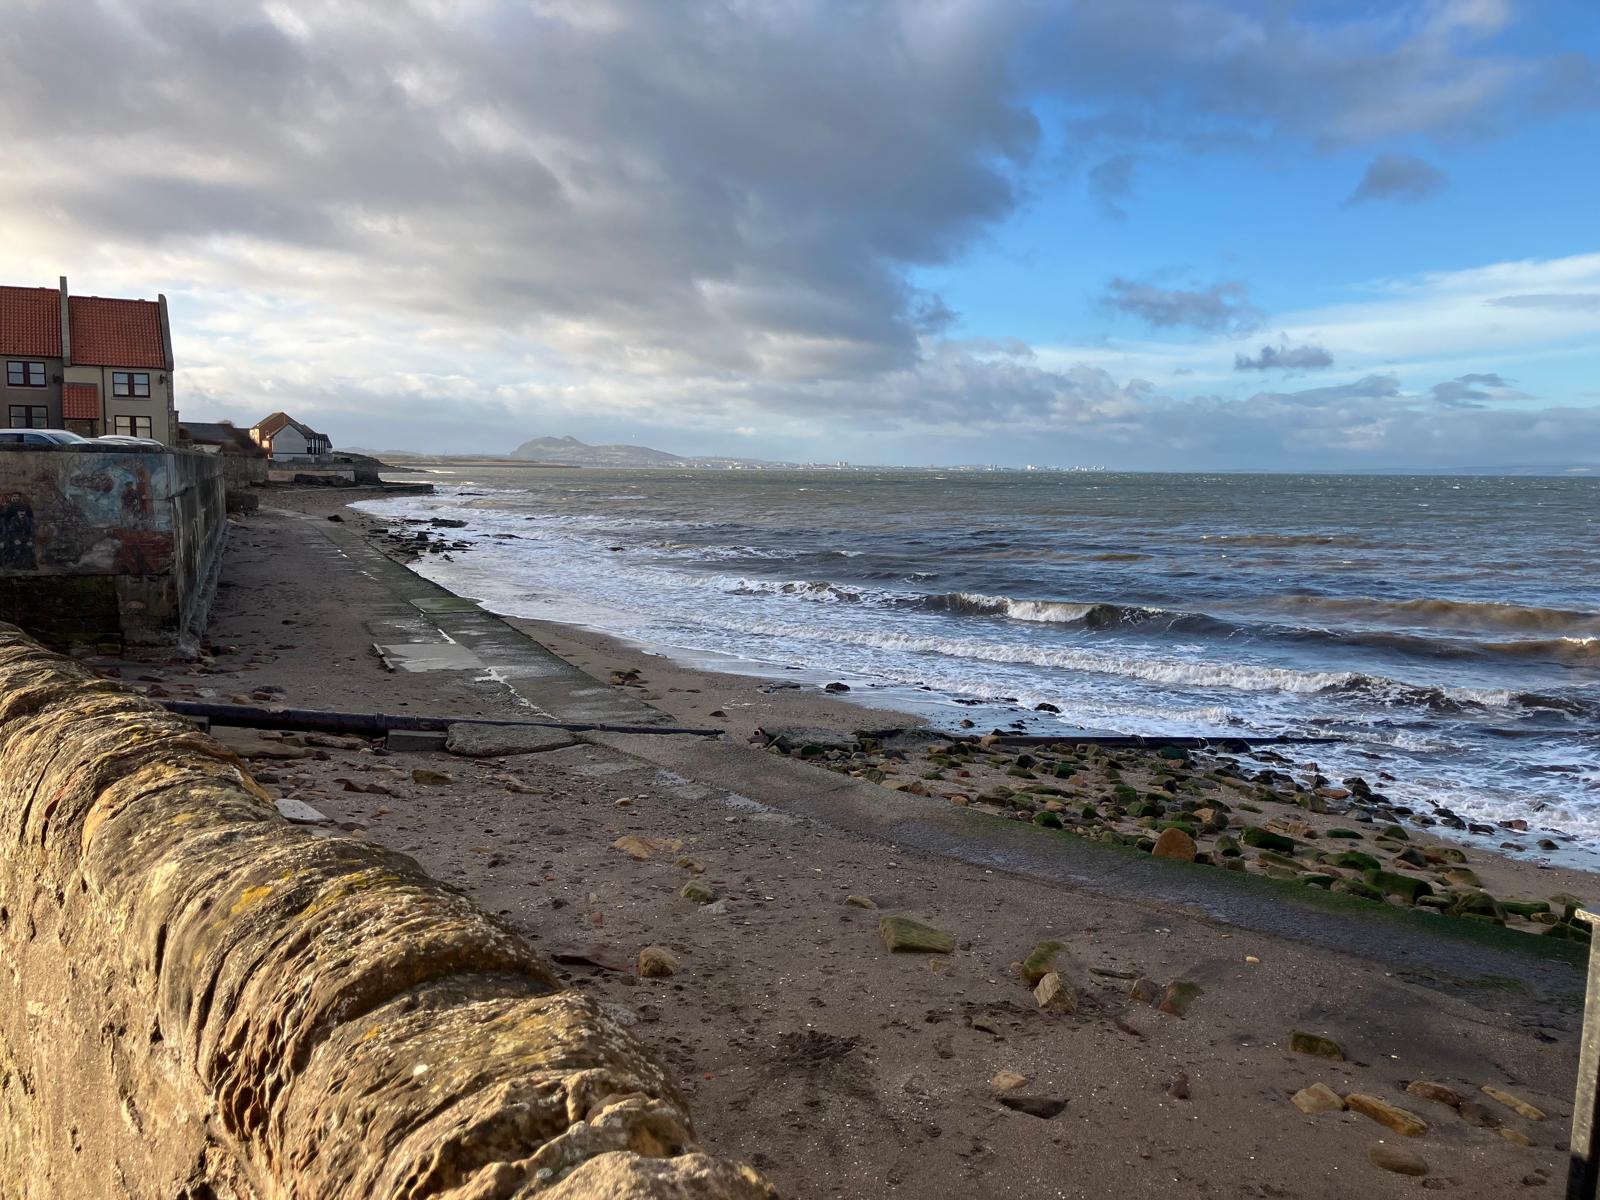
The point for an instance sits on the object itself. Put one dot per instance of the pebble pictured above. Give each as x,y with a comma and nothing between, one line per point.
1436,1091
1515,1103
1181,994
656,963
1175,844
1318,1098
1392,1158
1402,1121
429,777
299,812
903,935
1316,1045
698,891
1055,995
1008,1081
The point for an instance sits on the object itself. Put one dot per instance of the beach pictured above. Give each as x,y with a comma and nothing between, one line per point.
835,1065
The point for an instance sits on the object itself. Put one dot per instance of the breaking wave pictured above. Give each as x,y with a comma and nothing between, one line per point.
1457,614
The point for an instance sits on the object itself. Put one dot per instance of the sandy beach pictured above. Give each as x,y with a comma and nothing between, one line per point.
840,1068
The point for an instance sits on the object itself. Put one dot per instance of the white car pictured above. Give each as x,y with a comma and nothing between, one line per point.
123,439
39,437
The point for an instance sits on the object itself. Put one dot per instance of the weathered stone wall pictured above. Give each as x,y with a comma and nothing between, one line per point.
200,1001
108,545
241,471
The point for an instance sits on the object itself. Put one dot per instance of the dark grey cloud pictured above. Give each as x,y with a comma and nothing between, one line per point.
1562,301
1309,357
1470,391
669,187
1219,308
697,188
1397,177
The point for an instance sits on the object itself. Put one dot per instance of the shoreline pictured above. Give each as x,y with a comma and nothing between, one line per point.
710,691
687,675
839,1067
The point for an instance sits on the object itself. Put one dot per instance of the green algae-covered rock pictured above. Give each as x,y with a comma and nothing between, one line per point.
902,935
1227,847
1180,997
1348,834
1264,839
1272,858
1352,860
1392,883
1525,908
1047,820
697,891
1477,904
1040,962
1355,887
1316,1045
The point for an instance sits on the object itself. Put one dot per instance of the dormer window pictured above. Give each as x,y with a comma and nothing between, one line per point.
23,373
130,383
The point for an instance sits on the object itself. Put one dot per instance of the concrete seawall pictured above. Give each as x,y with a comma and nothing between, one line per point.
100,545
199,1000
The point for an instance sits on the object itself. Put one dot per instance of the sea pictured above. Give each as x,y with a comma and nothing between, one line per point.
1445,629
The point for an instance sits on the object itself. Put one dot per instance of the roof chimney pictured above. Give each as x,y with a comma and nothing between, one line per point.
66,326
166,332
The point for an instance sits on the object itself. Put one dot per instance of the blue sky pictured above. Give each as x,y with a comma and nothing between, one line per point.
1140,233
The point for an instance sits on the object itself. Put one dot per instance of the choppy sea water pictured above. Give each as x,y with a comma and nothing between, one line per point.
1447,628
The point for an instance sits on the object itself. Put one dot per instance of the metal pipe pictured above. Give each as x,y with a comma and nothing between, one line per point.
311,720
1583,1166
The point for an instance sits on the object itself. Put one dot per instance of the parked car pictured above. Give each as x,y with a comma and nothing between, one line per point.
124,439
39,437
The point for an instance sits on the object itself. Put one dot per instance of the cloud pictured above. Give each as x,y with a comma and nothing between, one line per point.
1397,177
1111,184
674,189
1566,301
1220,308
1471,390
1285,358
458,221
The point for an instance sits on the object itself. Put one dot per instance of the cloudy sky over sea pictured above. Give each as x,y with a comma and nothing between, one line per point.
1141,233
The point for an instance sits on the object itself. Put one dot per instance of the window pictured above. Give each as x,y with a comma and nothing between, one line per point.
130,383
29,416
82,428
22,373
133,426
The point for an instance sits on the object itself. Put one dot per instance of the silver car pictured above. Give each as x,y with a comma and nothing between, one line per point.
39,437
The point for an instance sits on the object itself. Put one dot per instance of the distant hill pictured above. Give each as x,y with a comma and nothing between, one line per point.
569,451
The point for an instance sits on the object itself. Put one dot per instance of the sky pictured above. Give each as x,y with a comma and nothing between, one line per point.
1141,234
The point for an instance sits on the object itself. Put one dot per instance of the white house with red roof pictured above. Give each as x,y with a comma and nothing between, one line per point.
288,440
91,364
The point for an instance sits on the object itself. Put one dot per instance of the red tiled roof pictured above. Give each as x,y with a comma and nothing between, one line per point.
80,402
274,423
30,321
116,333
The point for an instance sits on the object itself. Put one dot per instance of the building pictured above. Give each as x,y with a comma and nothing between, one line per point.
90,364
286,439
218,437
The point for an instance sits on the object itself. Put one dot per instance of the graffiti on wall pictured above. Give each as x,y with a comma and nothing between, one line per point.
16,533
